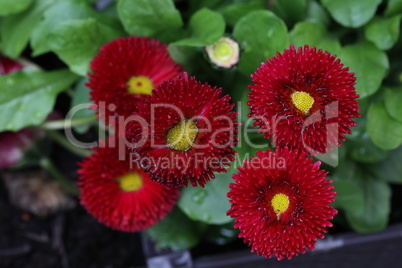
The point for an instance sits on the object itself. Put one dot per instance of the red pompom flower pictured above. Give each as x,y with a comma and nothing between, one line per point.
280,203
120,196
304,99
185,132
126,70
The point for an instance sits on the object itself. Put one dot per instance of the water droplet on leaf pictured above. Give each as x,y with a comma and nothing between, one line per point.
200,196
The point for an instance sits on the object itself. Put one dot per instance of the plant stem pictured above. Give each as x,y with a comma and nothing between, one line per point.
61,140
61,124
47,164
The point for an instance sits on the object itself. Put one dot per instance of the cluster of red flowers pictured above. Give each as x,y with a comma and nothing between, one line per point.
176,127
160,115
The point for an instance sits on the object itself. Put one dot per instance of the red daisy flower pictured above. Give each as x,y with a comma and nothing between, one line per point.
192,132
8,66
280,203
304,99
126,70
120,196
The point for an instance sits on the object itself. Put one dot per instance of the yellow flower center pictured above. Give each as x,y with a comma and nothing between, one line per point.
130,182
181,136
302,101
280,203
140,85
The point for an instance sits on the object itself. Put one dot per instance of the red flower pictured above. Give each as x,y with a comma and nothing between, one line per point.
280,203
126,70
120,196
304,99
192,132
8,66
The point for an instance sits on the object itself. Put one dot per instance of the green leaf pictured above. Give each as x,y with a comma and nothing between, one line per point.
313,34
368,63
349,196
175,231
63,12
316,13
181,54
365,151
262,34
8,7
290,10
394,7
233,12
77,41
351,13
16,30
373,216
383,32
82,97
390,169
206,28
208,204
27,98
385,131
59,12
150,18
393,100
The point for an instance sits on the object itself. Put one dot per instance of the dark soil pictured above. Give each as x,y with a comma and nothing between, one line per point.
69,239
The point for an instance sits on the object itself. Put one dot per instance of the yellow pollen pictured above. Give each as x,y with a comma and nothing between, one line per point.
280,203
140,85
302,100
181,136
130,182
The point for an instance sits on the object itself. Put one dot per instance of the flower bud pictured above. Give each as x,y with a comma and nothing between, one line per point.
224,53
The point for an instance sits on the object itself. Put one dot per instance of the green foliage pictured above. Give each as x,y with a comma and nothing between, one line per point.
82,97
206,28
314,34
365,151
351,13
290,10
232,13
367,208
385,131
393,100
15,30
77,41
262,34
175,231
316,13
368,63
28,97
9,7
208,204
394,7
55,17
150,18
390,169
383,32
